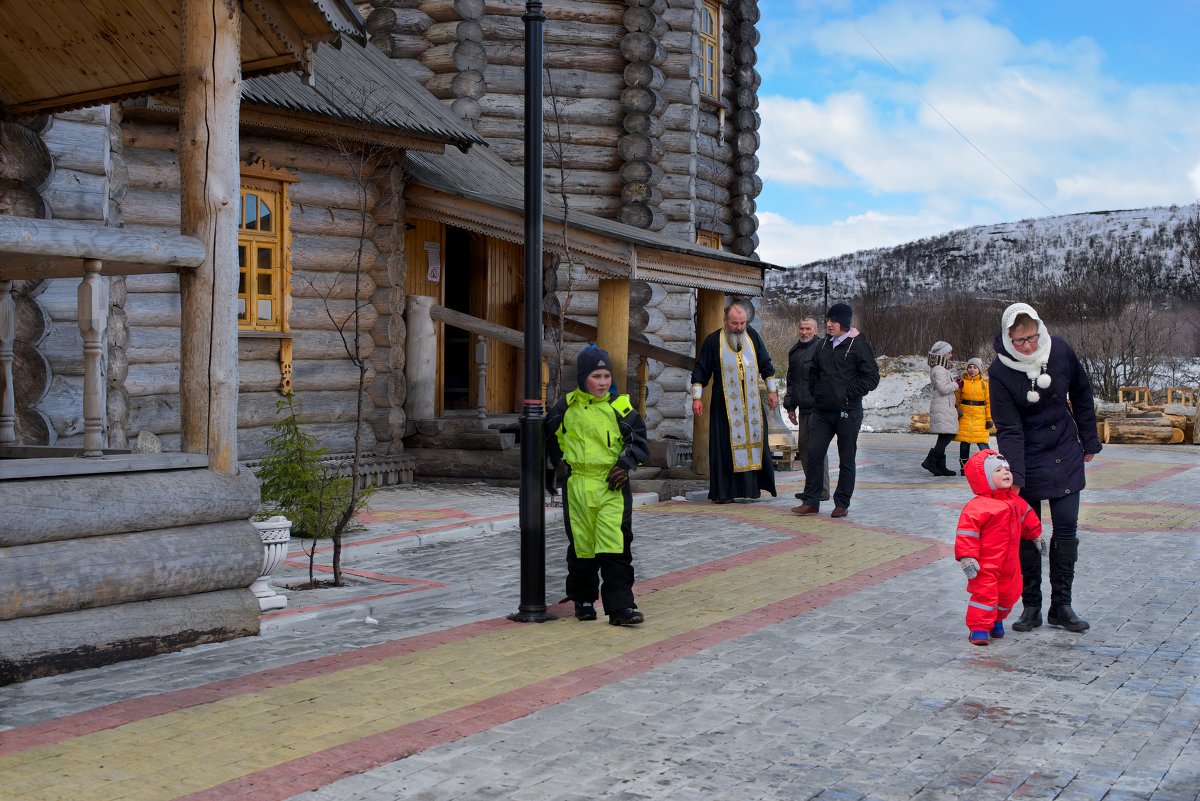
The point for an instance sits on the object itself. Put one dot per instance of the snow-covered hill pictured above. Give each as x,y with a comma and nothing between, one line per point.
1000,258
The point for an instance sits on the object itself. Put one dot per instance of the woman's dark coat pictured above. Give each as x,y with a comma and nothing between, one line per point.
1044,442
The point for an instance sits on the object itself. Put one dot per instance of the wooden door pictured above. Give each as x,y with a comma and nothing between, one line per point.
497,287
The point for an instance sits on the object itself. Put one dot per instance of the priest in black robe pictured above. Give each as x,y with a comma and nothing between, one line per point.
739,456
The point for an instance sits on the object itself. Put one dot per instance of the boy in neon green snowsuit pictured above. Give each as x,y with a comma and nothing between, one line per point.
601,438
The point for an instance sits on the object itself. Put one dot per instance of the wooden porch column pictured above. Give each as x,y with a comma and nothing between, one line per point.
420,359
710,315
612,327
8,390
210,75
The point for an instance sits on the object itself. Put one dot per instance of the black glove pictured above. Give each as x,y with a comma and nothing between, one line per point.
551,480
988,424
617,477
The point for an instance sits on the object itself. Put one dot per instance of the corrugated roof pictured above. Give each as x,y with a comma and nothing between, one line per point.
361,85
462,175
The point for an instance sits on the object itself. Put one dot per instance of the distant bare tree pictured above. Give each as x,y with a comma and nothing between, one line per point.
1128,349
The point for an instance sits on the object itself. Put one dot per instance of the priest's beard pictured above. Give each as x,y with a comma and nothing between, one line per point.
736,341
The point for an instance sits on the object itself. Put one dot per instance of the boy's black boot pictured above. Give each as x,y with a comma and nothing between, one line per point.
626,617
1031,589
1063,553
962,466
930,462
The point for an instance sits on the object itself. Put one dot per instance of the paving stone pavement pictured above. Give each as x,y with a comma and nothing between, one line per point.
782,658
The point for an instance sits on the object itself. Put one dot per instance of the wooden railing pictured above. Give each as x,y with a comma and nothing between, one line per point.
32,249
422,350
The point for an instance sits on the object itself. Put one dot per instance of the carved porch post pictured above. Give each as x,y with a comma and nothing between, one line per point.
8,392
93,322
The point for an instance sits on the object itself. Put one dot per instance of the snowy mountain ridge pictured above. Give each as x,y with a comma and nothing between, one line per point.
1000,258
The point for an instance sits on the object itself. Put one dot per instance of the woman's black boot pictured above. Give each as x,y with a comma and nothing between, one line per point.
930,462
1063,553
1031,587
940,466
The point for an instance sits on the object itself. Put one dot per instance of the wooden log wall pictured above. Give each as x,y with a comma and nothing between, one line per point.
85,180
641,148
624,119
325,224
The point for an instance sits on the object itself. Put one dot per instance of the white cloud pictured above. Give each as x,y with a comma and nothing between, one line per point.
785,242
1050,122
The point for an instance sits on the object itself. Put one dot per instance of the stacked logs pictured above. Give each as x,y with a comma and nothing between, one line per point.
641,148
1144,424
440,43
746,184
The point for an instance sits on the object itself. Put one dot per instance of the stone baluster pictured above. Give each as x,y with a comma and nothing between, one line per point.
8,390
93,320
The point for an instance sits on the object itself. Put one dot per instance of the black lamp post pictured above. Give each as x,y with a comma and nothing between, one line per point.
533,479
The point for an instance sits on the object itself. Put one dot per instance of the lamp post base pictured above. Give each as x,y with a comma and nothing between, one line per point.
532,615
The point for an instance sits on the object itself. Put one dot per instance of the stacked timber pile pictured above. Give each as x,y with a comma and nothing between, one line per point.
1145,424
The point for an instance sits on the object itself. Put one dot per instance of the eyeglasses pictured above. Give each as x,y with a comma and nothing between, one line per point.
1029,340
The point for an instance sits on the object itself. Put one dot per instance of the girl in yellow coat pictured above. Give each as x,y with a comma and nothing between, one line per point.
974,412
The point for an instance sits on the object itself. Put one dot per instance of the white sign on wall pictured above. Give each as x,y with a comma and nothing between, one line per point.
433,258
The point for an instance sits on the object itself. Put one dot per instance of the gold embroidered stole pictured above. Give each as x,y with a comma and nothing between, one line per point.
739,378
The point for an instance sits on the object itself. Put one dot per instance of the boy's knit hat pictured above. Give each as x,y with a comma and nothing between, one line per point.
840,313
978,362
590,360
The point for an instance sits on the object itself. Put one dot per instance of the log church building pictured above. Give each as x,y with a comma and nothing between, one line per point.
379,188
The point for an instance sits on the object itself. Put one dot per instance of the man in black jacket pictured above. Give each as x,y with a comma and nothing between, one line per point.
798,400
843,371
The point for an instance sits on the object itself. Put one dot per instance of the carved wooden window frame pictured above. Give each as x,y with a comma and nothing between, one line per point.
259,179
708,239
710,50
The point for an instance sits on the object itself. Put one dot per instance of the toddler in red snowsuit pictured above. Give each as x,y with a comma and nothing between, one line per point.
990,529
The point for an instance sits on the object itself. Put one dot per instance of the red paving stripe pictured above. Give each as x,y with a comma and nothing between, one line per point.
121,713
364,599
416,532
313,772
1145,481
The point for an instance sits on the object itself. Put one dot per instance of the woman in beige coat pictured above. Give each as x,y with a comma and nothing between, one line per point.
943,412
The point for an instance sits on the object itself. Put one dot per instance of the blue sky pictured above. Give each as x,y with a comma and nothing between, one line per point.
1084,105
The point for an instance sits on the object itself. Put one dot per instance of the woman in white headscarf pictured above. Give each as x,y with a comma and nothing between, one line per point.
1046,441
943,412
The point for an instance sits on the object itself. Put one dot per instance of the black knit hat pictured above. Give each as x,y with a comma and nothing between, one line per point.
841,314
590,360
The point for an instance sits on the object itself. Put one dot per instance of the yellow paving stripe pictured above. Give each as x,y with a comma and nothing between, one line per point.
207,745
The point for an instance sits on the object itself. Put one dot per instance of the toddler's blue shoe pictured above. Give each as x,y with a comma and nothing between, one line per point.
979,638
998,630
585,611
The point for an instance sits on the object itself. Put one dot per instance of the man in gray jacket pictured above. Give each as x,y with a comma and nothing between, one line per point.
798,400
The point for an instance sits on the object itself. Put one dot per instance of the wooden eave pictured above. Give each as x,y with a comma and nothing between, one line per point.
311,126
57,55
601,254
